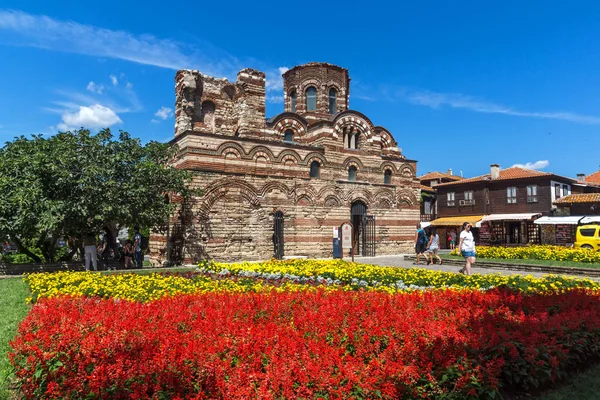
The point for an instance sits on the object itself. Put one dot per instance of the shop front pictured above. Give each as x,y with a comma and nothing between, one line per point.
510,229
452,226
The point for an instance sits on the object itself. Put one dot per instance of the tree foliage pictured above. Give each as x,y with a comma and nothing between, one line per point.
75,183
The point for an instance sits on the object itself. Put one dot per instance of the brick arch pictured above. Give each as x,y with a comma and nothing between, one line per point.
359,194
406,197
384,204
332,201
306,83
407,171
330,190
352,161
304,200
310,157
353,119
221,187
261,151
292,123
270,186
230,145
386,138
286,154
306,190
384,198
388,165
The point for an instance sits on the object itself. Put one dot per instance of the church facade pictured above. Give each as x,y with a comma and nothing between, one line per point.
278,187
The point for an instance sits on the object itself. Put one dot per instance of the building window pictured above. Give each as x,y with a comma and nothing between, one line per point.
450,199
293,100
352,173
315,169
332,101
532,194
557,191
427,208
387,177
288,136
565,191
351,140
511,195
469,196
311,99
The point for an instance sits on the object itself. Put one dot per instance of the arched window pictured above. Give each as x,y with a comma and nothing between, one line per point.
293,100
387,177
288,136
311,99
315,169
332,101
352,173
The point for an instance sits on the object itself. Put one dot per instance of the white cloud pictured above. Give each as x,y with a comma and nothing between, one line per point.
274,99
44,32
274,79
456,100
541,164
129,85
163,113
114,80
95,88
95,116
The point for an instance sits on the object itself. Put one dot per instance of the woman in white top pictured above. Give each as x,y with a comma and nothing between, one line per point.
433,246
467,248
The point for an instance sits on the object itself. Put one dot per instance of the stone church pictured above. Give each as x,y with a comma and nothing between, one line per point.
278,187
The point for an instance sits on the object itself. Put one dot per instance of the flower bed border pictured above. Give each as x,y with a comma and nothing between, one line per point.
588,272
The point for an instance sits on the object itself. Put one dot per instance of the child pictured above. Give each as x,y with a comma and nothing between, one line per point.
128,254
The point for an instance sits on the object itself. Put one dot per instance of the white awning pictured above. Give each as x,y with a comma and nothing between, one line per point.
425,224
570,220
511,217
590,220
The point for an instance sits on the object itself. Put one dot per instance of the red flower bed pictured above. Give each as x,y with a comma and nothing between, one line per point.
443,344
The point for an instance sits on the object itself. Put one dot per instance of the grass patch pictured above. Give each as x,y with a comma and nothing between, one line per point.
582,386
13,292
514,261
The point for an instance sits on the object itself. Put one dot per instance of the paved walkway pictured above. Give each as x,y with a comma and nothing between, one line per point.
398,261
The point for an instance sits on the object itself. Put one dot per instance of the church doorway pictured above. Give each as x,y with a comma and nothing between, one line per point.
363,241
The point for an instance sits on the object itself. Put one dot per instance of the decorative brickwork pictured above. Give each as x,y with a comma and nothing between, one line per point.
247,170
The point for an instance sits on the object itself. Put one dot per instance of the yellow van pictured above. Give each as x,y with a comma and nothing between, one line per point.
588,237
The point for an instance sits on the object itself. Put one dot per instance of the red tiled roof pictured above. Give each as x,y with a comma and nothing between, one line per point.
505,174
439,175
427,188
593,178
579,198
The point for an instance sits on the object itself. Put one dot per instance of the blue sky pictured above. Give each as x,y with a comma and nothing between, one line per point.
460,85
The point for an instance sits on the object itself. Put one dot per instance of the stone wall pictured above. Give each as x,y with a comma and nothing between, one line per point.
246,171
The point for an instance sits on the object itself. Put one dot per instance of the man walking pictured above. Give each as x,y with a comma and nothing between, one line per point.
89,242
420,243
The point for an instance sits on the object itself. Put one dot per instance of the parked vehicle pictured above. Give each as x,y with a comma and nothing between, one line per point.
588,237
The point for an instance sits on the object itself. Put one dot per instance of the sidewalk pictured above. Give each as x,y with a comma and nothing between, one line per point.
398,261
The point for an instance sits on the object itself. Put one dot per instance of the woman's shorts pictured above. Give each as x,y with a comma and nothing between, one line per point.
467,254
433,250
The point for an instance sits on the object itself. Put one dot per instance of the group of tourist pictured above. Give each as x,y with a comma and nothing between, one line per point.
130,253
427,244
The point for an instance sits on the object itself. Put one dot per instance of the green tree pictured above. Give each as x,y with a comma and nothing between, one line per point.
75,183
